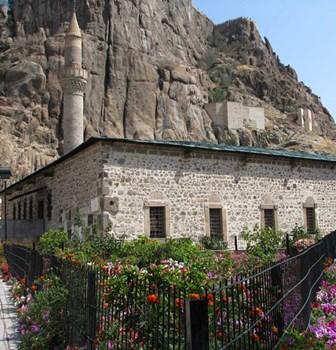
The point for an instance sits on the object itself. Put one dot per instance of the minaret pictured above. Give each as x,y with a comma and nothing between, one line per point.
73,82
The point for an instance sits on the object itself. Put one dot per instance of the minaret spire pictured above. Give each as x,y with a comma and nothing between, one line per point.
73,82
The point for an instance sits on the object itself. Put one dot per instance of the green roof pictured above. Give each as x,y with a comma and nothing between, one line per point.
235,149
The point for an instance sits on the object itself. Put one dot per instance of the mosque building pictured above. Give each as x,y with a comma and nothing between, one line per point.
166,188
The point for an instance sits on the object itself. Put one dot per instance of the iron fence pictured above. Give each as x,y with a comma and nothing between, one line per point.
246,312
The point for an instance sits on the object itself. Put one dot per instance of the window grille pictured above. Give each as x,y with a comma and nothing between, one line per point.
269,218
216,222
310,219
157,222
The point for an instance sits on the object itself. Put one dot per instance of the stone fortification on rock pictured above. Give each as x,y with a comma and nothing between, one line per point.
306,119
233,115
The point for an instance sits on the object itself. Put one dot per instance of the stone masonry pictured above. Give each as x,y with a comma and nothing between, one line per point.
114,181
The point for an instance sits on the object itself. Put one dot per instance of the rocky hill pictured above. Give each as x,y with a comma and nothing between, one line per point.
153,64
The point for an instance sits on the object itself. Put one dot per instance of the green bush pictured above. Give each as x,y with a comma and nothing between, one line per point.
262,244
51,241
42,321
213,243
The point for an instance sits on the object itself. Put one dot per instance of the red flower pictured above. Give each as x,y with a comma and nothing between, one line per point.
194,296
219,335
179,303
255,337
152,299
210,299
33,288
106,305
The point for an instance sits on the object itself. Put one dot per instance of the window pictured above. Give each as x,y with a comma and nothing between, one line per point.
157,222
309,214
19,211
25,209
14,211
310,220
40,209
269,218
49,206
157,217
269,215
30,208
216,222
215,219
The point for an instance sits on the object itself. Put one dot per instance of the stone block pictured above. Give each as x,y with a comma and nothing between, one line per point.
111,204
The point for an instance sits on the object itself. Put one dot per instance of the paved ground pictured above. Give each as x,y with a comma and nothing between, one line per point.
8,322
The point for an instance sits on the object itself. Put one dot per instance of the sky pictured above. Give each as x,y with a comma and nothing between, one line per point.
301,32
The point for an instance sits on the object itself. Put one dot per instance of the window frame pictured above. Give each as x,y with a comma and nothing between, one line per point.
147,219
207,207
309,205
273,207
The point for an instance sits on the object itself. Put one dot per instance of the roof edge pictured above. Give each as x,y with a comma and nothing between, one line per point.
184,144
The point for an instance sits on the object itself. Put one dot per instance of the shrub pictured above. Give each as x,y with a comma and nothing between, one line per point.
51,241
213,243
42,315
263,244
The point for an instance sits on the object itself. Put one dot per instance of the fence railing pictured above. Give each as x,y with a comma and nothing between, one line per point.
245,312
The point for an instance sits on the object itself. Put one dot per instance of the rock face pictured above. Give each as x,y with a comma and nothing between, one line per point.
152,64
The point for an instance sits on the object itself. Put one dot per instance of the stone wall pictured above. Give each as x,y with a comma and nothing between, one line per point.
188,182
115,183
75,185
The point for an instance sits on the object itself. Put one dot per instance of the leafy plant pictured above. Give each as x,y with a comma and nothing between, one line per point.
262,244
51,241
213,243
42,315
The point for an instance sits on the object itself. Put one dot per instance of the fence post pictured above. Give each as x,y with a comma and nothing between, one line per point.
287,243
236,243
276,279
197,324
91,309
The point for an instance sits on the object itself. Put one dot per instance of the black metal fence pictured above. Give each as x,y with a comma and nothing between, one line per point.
245,312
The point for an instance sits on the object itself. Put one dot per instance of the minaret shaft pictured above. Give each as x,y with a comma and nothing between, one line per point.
73,81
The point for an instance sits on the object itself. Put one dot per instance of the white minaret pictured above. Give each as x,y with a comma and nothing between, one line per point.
73,82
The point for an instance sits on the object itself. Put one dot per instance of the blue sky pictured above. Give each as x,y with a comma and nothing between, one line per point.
301,32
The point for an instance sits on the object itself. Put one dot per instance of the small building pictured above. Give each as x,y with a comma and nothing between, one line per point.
175,189
233,115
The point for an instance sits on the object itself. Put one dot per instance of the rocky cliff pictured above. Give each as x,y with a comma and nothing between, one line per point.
153,64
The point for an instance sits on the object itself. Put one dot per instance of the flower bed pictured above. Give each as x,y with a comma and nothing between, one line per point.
143,286
322,332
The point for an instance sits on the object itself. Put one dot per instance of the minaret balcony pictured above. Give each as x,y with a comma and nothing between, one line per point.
74,72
